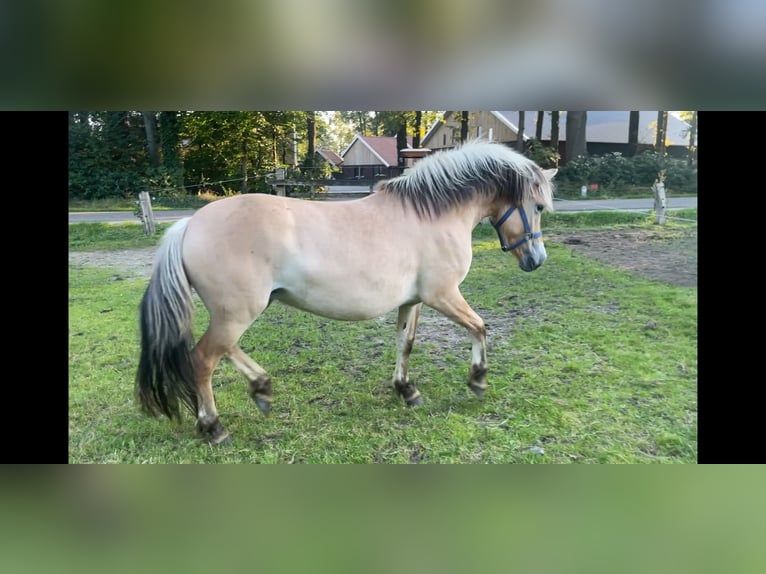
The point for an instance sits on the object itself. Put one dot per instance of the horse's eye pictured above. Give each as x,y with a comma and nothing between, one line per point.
540,208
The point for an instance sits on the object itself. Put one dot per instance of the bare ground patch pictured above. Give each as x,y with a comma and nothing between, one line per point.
671,258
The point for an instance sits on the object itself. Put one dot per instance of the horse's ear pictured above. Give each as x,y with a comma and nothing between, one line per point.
550,173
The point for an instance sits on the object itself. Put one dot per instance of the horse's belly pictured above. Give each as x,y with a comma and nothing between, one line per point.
349,301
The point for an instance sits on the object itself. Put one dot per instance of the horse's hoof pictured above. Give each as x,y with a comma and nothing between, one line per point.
416,401
220,440
213,432
263,405
478,391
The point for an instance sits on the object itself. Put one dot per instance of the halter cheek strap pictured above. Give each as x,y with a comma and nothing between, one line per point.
527,230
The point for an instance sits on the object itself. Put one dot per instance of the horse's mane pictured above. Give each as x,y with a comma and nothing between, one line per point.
446,179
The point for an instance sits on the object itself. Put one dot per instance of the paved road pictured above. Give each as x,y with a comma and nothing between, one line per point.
562,205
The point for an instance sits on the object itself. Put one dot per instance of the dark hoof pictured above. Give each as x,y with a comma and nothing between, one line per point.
415,401
260,392
220,440
263,404
409,393
213,432
477,380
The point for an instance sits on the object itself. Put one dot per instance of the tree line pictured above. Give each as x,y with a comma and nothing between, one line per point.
121,153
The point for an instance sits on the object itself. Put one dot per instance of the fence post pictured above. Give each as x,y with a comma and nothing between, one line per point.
147,216
659,202
279,175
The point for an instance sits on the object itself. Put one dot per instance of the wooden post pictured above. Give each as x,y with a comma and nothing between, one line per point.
659,200
147,216
279,175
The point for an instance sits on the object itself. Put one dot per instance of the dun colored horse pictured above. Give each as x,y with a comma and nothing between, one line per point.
407,244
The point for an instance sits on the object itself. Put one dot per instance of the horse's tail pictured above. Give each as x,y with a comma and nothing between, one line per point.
166,369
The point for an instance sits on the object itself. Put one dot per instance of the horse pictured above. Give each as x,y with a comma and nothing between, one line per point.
406,244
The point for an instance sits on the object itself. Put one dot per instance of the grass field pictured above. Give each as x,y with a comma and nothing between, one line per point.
588,364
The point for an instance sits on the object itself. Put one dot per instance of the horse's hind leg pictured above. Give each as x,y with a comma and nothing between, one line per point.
406,324
260,382
207,354
219,340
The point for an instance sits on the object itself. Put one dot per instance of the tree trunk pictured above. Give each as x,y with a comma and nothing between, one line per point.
401,141
416,135
311,134
539,126
692,139
662,128
555,131
633,134
243,187
576,145
150,125
463,126
274,151
520,133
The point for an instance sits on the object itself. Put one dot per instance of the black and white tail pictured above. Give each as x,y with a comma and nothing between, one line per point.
165,376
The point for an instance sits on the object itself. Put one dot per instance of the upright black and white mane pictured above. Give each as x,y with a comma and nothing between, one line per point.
446,179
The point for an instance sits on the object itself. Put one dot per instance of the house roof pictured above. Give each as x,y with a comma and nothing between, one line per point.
435,126
604,126
601,126
330,156
383,147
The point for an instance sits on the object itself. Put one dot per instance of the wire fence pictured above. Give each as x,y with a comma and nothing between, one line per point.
593,205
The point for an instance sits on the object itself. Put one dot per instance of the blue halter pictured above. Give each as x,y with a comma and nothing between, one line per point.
527,231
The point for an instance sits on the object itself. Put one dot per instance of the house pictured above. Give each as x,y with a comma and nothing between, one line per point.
326,164
371,157
491,125
606,131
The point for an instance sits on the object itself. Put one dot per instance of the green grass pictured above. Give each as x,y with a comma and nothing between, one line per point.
588,363
108,236
572,191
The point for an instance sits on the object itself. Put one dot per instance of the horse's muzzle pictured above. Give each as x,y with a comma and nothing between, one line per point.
533,258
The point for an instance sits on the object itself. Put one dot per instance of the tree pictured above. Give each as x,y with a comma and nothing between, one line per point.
555,131
463,126
520,134
693,139
150,127
170,145
338,131
633,134
662,129
308,162
576,145
539,126
417,129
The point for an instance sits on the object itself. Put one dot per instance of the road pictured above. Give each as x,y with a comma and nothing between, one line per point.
645,204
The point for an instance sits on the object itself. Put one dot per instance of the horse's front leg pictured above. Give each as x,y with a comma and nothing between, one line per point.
406,324
453,306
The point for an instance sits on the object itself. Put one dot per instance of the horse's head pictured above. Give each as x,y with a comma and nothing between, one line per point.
518,227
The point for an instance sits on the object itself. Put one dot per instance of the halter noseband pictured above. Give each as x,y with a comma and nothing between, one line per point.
527,231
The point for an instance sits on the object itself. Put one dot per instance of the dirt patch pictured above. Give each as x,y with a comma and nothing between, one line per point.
131,262
671,258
